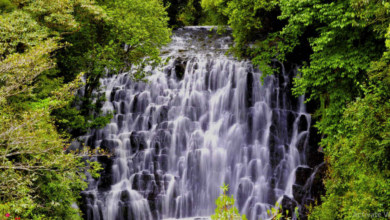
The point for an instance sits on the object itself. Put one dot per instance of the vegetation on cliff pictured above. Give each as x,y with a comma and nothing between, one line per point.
342,48
49,50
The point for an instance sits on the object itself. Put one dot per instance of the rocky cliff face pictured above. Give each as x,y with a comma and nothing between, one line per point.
202,120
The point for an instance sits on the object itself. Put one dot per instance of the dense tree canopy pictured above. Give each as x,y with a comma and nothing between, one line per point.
47,49
140,25
344,65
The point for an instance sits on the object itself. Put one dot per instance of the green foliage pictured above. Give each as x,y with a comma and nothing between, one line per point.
225,207
184,12
276,213
342,48
44,46
18,31
296,212
358,177
104,27
253,22
6,6
349,36
69,120
37,179
141,25
173,8
191,13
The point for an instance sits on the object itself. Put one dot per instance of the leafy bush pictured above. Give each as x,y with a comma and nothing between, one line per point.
225,207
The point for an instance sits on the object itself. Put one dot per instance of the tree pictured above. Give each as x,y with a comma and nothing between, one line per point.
341,46
129,37
37,179
357,156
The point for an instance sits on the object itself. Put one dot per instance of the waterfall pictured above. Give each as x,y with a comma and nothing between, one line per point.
200,120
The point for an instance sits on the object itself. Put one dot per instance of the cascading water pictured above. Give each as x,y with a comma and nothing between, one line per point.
202,120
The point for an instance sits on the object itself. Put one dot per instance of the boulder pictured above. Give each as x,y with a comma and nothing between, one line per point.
314,157
249,101
318,187
109,145
288,204
302,123
137,141
162,114
298,192
302,174
106,177
180,68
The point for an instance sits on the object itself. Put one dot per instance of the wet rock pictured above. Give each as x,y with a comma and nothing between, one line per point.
137,141
125,212
288,204
249,101
164,162
275,117
302,174
318,187
155,214
291,116
87,199
302,143
273,129
109,145
91,141
286,147
125,196
163,138
271,197
249,122
122,108
298,192
195,66
168,71
261,134
156,146
138,183
314,157
112,95
243,192
106,175
120,119
204,122
272,182
163,125
163,114
135,103
180,68
146,177
165,151
121,95
181,168
302,124
277,155
272,141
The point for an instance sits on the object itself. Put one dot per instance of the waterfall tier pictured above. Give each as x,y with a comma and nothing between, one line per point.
199,121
